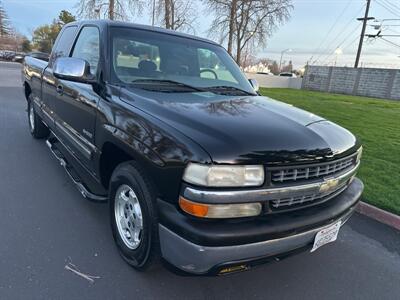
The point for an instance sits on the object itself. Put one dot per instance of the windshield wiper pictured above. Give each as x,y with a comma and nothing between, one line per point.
227,89
165,85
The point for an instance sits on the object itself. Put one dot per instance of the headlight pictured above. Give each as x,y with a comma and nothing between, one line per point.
224,176
359,154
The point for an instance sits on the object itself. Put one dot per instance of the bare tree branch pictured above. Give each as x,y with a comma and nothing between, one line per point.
111,9
247,22
176,14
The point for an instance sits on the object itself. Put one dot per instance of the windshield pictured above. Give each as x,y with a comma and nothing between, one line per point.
168,63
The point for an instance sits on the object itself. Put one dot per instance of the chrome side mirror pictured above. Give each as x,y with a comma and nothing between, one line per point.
74,69
255,85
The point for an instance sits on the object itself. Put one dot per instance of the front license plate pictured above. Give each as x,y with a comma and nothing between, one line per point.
326,235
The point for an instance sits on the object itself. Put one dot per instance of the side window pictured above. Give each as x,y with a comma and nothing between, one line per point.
63,44
211,67
87,47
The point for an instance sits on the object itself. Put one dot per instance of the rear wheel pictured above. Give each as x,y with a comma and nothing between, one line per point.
133,216
37,128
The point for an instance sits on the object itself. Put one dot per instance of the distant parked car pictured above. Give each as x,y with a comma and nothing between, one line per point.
264,73
288,74
19,57
39,55
7,55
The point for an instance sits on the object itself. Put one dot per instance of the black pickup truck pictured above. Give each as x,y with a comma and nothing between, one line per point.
197,167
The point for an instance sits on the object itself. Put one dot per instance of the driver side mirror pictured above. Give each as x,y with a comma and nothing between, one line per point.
255,85
73,69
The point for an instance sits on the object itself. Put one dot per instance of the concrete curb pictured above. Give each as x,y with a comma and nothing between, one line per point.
379,215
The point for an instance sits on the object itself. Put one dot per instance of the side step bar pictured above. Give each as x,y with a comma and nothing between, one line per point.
74,177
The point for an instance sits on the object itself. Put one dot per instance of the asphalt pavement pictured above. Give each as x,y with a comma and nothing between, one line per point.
45,224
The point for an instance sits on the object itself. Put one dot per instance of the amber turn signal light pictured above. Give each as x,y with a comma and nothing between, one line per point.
219,211
192,208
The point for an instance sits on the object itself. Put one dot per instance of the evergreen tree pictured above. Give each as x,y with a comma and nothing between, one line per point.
44,36
5,28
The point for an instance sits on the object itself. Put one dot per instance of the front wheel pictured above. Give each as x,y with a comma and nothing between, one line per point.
36,127
133,216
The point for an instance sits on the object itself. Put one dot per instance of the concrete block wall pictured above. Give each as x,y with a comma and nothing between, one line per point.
271,81
370,82
395,92
343,80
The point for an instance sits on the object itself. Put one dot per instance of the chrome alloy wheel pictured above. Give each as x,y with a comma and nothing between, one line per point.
32,117
128,216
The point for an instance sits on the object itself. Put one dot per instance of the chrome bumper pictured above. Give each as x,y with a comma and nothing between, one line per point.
199,260
182,250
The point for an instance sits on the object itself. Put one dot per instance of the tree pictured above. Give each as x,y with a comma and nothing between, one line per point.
26,45
225,18
176,14
245,22
274,68
5,28
288,67
44,36
66,17
111,9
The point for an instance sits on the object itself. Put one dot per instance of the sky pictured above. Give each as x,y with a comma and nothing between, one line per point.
313,33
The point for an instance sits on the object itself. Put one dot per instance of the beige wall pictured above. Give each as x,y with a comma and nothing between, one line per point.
271,81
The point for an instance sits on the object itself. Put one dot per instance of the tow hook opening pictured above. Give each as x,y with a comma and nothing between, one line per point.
233,269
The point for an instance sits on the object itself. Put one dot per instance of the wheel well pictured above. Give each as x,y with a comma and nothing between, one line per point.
27,90
111,157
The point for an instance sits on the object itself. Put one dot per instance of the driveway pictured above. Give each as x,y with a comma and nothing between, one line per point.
46,224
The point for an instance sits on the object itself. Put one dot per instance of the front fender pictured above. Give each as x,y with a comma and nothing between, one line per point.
160,149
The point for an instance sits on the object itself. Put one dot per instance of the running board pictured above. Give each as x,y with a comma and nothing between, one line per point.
73,175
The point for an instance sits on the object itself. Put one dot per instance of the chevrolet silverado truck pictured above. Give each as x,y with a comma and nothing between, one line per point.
199,170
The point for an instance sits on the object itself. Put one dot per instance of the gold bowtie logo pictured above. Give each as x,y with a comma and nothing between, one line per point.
328,185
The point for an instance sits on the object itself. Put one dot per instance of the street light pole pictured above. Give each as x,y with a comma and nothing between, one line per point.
282,53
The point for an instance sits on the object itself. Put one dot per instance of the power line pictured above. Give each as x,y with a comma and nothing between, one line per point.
343,41
390,42
387,8
391,5
341,32
344,48
330,30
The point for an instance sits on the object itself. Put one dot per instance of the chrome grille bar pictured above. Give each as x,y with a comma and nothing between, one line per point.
313,172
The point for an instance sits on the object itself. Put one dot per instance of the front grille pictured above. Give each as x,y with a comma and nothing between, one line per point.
297,173
318,176
302,201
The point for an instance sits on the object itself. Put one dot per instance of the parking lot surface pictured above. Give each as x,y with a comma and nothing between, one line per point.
45,224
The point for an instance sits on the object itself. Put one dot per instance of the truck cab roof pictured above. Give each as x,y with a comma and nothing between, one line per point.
109,23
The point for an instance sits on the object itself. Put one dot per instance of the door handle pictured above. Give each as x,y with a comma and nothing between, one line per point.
60,89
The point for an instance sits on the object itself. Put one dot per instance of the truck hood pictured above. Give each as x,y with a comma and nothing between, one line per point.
249,129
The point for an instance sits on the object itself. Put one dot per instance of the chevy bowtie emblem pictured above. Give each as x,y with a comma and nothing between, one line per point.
328,185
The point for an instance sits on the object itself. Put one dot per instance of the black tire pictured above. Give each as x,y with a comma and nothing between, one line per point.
148,250
36,127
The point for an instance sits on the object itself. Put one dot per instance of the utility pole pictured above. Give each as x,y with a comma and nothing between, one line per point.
365,20
154,13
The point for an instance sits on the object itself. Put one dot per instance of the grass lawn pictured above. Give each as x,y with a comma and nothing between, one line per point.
376,122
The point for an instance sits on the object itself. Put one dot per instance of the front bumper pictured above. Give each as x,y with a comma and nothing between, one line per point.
210,247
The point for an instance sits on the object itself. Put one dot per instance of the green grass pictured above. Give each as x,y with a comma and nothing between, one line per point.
376,122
